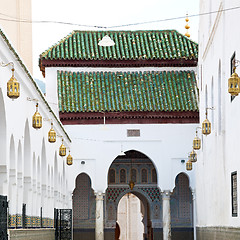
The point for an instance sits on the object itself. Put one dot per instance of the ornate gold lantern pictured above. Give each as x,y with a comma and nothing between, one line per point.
69,159
189,165
13,87
196,142
37,119
52,135
233,84
62,150
193,156
206,126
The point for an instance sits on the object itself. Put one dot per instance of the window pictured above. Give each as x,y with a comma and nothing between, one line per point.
133,132
133,175
234,194
111,176
122,176
144,175
154,176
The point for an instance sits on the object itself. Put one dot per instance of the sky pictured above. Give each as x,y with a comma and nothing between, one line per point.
106,13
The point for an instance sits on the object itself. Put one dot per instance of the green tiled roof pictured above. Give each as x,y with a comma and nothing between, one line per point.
129,45
127,91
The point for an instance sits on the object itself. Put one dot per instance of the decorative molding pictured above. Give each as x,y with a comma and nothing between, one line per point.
129,117
118,63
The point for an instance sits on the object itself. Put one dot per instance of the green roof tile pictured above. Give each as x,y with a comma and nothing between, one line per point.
129,45
127,91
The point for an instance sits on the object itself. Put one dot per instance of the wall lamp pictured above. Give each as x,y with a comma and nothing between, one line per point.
234,81
13,85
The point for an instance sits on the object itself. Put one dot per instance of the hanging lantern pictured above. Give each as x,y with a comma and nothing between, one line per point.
193,156
37,119
62,150
206,126
131,184
52,135
69,159
13,87
233,84
189,165
196,142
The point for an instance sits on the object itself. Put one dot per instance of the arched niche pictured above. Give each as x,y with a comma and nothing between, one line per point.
49,176
3,129
12,163
34,167
38,171
55,172
63,179
43,164
182,208
84,207
19,160
52,177
27,151
146,190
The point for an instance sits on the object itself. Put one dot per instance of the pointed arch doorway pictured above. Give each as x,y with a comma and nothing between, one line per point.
133,218
137,167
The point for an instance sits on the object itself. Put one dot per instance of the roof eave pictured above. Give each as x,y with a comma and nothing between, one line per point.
181,62
130,117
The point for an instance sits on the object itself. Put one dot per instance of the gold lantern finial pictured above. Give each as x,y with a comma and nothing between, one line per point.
13,87
187,26
206,126
196,142
37,119
52,134
62,150
234,83
69,159
188,165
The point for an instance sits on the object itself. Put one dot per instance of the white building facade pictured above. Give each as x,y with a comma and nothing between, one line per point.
33,176
92,87
217,171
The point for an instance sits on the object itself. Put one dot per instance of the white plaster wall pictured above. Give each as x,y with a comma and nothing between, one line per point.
165,144
98,145
219,156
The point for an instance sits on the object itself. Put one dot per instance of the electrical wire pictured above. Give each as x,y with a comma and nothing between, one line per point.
116,26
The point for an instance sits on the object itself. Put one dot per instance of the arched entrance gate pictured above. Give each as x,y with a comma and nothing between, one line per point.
139,168
177,206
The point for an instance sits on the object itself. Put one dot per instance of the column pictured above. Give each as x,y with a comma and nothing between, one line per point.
99,229
166,215
194,213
